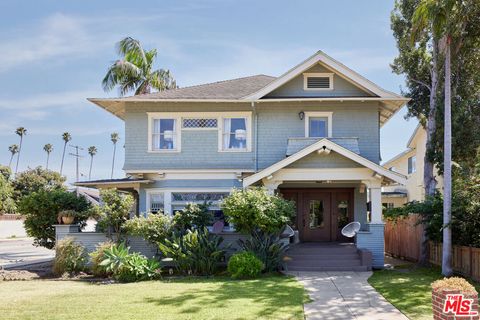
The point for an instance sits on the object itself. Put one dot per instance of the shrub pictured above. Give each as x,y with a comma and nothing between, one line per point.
255,209
69,257
34,180
244,265
155,228
129,267
41,211
193,216
196,251
7,204
268,248
114,212
96,258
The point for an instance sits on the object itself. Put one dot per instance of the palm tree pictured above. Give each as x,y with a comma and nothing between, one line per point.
438,17
13,150
66,138
133,72
114,137
21,131
92,150
48,148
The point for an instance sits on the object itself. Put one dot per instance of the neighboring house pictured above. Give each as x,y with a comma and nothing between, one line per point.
409,163
312,134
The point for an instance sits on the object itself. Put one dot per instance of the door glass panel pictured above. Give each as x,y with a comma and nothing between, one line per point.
316,214
342,213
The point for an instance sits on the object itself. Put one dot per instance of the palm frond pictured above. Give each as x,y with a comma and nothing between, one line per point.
162,80
120,72
132,47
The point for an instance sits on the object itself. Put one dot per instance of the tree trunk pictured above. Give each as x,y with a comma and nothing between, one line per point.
113,160
63,157
90,171
48,158
447,175
429,181
11,159
18,155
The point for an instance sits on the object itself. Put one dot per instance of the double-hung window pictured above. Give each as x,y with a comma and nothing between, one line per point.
156,202
318,124
235,134
164,134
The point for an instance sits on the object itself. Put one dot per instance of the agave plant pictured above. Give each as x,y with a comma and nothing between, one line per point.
268,248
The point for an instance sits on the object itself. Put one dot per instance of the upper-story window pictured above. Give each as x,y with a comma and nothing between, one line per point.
318,124
236,134
318,81
412,164
164,135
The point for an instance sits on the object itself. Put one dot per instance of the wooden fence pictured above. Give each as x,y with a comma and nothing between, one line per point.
403,238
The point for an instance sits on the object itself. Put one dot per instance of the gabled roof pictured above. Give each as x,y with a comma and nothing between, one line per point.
410,148
255,88
396,177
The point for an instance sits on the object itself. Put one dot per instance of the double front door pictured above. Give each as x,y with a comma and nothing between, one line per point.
321,213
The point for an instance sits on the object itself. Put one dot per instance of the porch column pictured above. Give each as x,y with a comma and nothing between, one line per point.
376,204
271,185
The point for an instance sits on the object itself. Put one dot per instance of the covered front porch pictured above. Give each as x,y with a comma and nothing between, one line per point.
332,186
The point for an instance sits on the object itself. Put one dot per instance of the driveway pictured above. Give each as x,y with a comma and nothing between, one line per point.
17,251
345,295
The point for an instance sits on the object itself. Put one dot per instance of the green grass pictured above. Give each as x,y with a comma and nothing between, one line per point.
409,289
272,297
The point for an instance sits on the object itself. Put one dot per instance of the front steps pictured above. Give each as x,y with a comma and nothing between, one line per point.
326,256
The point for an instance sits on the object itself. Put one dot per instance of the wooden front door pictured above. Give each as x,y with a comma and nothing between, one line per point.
321,212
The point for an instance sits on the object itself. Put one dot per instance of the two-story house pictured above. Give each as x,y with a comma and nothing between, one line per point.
312,135
409,163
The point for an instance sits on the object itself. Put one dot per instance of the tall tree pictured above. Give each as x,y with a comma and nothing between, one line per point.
114,137
13,150
445,20
92,150
20,131
133,72
48,148
66,138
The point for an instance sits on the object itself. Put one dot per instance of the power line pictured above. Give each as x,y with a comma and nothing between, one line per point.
77,156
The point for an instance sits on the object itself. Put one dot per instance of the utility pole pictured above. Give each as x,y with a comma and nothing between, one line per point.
77,156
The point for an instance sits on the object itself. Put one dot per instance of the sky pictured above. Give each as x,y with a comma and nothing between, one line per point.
54,56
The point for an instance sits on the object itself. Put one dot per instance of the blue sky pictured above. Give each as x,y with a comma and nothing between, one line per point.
54,56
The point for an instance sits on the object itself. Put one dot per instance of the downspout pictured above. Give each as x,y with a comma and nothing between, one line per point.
256,137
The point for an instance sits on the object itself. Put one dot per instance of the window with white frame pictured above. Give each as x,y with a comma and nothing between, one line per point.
235,134
318,81
156,202
164,134
213,199
412,164
318,124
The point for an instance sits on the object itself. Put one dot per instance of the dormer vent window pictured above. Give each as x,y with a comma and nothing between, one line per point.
318,81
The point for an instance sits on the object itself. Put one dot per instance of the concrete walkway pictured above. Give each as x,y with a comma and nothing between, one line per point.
344,295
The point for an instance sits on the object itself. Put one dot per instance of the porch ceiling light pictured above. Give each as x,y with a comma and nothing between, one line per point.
324,150
301,115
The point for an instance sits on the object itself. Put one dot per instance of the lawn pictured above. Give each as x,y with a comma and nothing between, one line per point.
273,297
409,289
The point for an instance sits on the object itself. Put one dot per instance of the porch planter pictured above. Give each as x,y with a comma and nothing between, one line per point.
461,296
67,220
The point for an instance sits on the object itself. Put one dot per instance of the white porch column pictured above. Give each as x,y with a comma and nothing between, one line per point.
376,204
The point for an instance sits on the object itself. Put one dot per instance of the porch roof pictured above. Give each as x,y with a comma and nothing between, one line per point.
296,144
326,144
113,183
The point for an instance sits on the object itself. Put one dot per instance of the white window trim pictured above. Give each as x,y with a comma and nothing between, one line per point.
248,117
167,196
178,131
179,116
324,74
315,114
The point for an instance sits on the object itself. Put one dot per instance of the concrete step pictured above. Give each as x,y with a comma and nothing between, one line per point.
329,256
325,263
328,268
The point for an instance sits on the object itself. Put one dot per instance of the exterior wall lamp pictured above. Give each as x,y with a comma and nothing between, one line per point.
301,115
